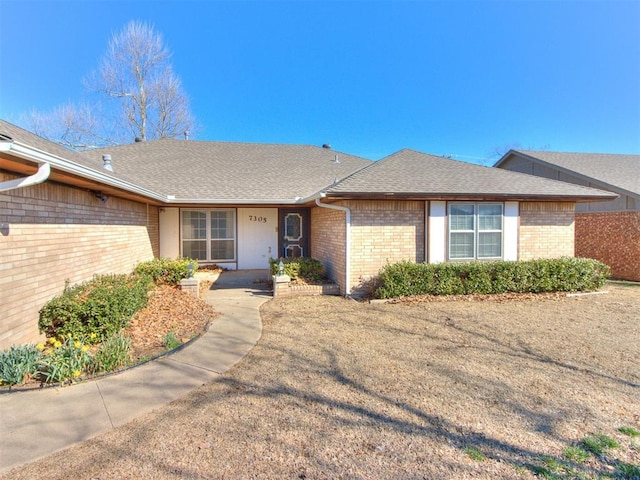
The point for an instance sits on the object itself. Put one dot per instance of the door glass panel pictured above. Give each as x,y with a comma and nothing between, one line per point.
293,251
293,227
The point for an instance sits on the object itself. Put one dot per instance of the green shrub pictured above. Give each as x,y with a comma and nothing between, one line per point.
114,353
167,271
458,278
308,269
18,364
67,360
96,309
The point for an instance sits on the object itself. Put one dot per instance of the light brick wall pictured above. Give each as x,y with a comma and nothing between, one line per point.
381,232
546,230
612,238
328,239
51,233
384,232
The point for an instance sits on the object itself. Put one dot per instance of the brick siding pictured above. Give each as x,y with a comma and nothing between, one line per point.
546,230
51,233
612,238
328,239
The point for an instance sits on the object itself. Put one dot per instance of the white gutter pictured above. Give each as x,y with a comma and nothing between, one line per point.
44,169
347,262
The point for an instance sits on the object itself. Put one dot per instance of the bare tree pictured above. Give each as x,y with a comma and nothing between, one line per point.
140,97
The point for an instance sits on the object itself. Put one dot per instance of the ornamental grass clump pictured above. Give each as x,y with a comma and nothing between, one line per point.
19,364
113,353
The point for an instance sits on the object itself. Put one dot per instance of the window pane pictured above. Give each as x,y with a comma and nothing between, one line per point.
489,245
461,217
195,249
222,224
194,225
461,245
489,217
222,250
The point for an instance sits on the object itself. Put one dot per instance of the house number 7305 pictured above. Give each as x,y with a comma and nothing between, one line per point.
253,218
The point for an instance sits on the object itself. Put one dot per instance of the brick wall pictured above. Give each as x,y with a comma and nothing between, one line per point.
51,233
546,230
328,238
384,231
612,238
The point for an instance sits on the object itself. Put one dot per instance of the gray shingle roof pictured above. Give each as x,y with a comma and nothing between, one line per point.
606,169
411,173
228,171
25,137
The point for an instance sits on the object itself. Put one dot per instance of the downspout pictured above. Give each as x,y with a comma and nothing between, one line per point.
40,176
347,261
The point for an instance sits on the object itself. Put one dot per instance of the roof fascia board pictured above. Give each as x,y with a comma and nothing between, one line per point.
468,197
573,173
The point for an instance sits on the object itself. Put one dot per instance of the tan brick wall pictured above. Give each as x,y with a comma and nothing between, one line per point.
612,238
51,233
328,239
546,230
384,232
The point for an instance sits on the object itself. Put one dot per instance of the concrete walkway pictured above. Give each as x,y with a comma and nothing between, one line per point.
37,423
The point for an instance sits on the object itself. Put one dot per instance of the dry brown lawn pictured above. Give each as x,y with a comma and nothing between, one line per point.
340,389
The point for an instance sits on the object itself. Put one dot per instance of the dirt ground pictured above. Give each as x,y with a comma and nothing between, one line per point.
341,389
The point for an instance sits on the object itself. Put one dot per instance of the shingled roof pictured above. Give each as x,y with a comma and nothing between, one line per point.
620,173
409,173
231,172
24,137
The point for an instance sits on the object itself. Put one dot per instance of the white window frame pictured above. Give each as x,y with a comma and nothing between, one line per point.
476,231
209,238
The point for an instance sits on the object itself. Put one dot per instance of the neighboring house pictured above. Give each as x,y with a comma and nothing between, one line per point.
65,215
608,231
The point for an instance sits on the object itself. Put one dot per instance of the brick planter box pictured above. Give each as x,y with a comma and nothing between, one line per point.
282,287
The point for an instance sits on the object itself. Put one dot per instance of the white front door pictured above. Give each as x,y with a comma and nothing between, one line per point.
257,237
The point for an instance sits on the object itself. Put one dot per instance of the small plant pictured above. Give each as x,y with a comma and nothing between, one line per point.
64,359
114,353
629,431
171,341
575,454
628,471
18,364
475,453
598,444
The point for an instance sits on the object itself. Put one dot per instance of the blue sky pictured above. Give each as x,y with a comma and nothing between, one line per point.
460,78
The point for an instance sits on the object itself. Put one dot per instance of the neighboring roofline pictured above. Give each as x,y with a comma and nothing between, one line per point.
568,171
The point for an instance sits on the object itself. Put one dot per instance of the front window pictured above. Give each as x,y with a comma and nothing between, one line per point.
475,231
209,235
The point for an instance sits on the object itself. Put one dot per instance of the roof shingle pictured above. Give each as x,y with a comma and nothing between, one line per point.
408,172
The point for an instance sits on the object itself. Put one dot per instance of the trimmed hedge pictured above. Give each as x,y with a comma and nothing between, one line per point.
533,276
95,309
308,269
167,271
